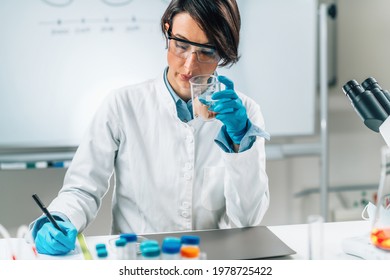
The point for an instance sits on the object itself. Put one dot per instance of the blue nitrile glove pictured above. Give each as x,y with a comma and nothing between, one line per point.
51,241
230,110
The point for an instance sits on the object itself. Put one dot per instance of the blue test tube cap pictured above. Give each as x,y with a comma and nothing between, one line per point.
171,239
129,237
102,253
99,246
121,242
147,244
190,240
150,252
171,246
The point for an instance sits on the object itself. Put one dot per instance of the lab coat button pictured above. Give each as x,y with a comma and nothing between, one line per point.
188,166
188,225
187,176
185,214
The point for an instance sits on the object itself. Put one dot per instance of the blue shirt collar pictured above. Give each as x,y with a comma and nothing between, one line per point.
175,97
184,109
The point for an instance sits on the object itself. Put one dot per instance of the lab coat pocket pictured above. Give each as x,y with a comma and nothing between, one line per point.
213,188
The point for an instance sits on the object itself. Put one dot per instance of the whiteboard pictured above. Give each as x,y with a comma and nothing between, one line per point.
59,58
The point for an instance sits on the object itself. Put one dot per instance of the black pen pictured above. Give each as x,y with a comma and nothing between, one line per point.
47,213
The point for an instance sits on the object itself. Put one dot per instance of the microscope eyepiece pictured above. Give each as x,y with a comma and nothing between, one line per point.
352,89
370,83
349,86
369,102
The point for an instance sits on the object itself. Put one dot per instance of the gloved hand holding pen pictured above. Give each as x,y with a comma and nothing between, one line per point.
51,241
230,110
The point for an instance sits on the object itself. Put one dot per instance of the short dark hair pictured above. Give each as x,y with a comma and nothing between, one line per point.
219,19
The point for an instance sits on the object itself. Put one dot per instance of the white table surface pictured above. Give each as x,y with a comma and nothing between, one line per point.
297,236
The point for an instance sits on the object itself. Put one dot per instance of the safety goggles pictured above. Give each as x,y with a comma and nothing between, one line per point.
182,48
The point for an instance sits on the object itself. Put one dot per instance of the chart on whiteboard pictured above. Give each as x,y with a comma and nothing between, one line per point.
62,57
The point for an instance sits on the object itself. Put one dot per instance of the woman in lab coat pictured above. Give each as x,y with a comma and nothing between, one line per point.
172,172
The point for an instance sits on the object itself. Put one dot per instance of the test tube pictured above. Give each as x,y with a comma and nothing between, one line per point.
4,232
131,245
24,232
190,247
120,245
150,250
315,237
170,249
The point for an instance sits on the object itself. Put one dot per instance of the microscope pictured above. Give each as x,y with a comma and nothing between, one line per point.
372,104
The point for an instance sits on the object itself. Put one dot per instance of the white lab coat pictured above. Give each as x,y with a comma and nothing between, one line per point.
169,175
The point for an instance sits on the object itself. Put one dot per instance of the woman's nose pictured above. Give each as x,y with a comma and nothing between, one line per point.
191,61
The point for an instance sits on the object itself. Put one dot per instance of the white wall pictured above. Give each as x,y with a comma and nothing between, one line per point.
354,150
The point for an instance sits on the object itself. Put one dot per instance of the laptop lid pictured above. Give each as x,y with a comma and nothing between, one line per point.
235,244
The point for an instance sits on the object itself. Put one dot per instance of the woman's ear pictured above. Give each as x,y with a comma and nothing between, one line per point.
166,26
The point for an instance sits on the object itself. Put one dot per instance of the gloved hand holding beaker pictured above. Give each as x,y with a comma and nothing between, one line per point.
230,110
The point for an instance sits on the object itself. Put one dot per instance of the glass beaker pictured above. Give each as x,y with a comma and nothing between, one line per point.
202,88
380,231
